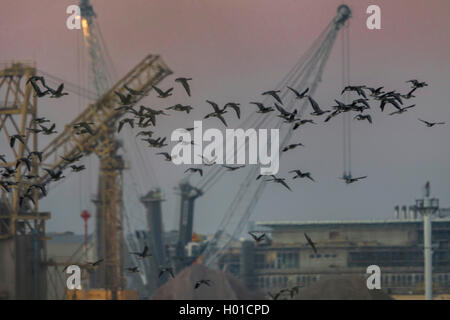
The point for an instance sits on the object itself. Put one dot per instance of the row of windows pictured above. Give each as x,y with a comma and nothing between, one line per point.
268,282
312,256
281,260
389,280
386,258
404,280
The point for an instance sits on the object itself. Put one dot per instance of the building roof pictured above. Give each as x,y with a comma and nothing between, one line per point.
294,224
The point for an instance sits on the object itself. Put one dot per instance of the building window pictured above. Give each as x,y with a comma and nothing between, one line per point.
287,260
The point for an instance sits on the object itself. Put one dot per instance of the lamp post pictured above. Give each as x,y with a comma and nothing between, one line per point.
427,207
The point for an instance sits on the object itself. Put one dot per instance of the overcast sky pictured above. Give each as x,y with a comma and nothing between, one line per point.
234,50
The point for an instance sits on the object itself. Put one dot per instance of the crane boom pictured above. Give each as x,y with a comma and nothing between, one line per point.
150,71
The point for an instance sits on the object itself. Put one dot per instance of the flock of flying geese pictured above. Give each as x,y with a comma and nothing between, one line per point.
144,117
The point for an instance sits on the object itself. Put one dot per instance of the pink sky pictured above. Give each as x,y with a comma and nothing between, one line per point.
235,49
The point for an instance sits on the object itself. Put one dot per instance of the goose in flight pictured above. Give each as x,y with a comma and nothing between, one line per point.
409,95
332,115
218,113
316,108
38,186
298,123
95,264
402,110
430,124
311,243
203,281
280,181
375,92
235,107
233,168
363,117
135,92
262,108
133,269
361,100
14,137
23,160
292,146
72,159
58,93
194,170
156,143
142,254
55,176
259,238
31,176
38,92
167,156
39,120
125,100
185,84
284,113
123,121
417,84
274,94
78,168
163,94
180,107
299,95
274,296
48,131
147,133
349,180
385,101
358,89
300,174
390,95
86,126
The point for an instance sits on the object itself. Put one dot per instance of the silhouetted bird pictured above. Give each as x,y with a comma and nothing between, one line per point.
142,254
297,94
280,181
363,117
316,108
274,94
14,137
203,281
55,176
300,174
257,239
58,93
161,93
430,124
218,113
262,108
311,243
185,84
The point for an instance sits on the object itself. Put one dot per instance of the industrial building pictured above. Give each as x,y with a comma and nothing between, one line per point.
348,247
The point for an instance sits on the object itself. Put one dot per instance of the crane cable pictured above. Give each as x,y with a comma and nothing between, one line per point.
211,179
323,51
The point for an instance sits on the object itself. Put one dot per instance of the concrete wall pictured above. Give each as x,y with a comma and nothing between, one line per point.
343,235
7,272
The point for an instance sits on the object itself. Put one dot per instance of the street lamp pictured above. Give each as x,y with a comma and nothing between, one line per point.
427,207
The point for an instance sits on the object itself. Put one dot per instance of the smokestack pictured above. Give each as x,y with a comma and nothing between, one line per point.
404,213
412,212
396,209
